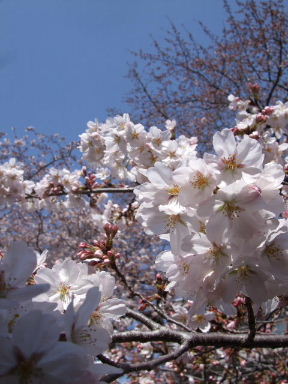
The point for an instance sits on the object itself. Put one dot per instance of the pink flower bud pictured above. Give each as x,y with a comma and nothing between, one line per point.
254,87
83,245
110,229
159,276
239,301
261,118
98,253
268,111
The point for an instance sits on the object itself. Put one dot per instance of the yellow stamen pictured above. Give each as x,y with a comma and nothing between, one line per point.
230,209
231,163
174,191
200,181
272,251
64,291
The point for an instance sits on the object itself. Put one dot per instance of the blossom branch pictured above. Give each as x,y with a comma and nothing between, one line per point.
156,309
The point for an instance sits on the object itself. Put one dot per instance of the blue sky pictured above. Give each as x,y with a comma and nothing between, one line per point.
63,62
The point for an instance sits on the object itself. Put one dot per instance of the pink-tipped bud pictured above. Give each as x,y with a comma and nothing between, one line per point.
110,229
239,301
83,244
254,88
261,118
268,111
142,307
110,254
93,263
100,244
159,276
235,130
98,253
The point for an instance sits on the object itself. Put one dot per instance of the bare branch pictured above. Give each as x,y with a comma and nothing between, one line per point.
147,365
204,339
251,320
85,192
142,318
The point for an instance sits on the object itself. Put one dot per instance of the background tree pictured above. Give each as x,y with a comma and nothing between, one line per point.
184,80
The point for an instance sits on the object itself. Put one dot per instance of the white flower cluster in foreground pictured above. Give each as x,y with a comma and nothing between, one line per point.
224,214
221,215
53,322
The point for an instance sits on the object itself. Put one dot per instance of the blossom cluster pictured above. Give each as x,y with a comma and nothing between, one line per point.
12,184
54,322
121,149
223,215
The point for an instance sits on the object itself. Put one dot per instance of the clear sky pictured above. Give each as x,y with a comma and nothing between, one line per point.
63,62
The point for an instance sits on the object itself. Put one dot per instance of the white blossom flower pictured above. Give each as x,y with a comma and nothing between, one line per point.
233,158
66,278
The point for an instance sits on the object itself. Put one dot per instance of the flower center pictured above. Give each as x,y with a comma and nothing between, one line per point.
273,252
230,209
186,268
157,141
175,190
27,369
64,291
172,155
173,220
95,318
243,272
230,163
200,181
217,252
200,318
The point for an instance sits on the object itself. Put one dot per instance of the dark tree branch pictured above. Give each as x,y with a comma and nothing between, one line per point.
147,365
142,318
204,339
187,341
85,192
251,320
